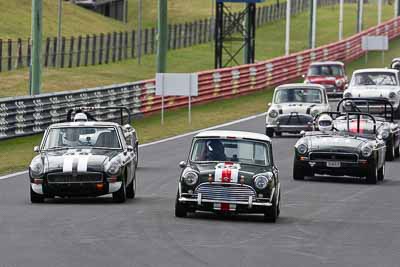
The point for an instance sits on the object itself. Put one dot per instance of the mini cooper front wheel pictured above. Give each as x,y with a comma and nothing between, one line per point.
269,132
180,209
272,213
36,198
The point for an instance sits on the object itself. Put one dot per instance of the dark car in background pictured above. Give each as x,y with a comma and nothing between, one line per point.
352,152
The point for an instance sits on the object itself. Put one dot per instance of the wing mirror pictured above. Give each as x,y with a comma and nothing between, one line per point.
128,149
303,133
182,164
36,149
269,104
379,137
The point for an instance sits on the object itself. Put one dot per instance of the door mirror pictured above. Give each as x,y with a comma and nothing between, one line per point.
130,148
182,164
269,104
36,149
303,133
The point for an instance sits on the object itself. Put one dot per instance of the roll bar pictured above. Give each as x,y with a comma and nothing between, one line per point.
86,111
368,101
348,114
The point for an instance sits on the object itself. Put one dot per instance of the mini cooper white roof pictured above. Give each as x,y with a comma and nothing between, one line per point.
301,85
233,134
318,63
84,124
375,70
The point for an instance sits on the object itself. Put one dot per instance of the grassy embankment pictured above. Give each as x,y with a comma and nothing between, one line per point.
269,44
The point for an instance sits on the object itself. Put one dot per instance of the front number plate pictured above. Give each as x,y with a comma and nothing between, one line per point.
333,164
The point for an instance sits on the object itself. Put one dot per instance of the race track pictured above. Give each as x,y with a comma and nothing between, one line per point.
324,222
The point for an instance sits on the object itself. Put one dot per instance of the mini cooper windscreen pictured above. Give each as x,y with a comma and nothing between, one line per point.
241,151
298,95
326,70
374,78
73,137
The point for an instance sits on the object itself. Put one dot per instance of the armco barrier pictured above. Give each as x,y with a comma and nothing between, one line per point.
21,116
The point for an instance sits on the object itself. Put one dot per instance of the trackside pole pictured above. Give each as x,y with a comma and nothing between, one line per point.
287,39
341,4
36,65
190,100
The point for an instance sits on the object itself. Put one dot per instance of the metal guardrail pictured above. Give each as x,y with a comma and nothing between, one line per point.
21,116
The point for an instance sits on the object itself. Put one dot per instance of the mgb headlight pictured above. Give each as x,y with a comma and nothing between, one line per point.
366,150
273,113
385,134
190,178
261,181
302,148
36,167
113,167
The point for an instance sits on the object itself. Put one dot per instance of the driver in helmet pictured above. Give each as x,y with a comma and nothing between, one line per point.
325,123
215,151
80,117
71,137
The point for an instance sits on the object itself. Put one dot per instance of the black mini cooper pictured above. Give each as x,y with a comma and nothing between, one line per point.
229,172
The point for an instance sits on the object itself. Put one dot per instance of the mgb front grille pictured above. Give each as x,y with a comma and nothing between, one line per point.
225,192
332,156
70,178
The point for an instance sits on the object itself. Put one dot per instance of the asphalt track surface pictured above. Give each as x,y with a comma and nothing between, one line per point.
324,222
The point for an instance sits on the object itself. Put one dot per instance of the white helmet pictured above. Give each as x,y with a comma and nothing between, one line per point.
325,123
80,117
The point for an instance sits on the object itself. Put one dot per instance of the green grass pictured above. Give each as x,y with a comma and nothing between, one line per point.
15,19
15,154
269,44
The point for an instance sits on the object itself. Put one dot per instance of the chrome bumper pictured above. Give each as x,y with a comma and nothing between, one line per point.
250,203
289,128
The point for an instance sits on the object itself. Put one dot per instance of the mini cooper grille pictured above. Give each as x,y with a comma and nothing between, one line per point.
294,119
228,192
333,156
67,178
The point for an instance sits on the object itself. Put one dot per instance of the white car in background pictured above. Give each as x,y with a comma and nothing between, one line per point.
376,83
294,107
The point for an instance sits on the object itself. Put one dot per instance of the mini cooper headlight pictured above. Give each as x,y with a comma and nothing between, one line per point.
36,168
347,95
113,167
273,113
392,95
302,148
339,82
190,178
261,181
366,150
314,112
